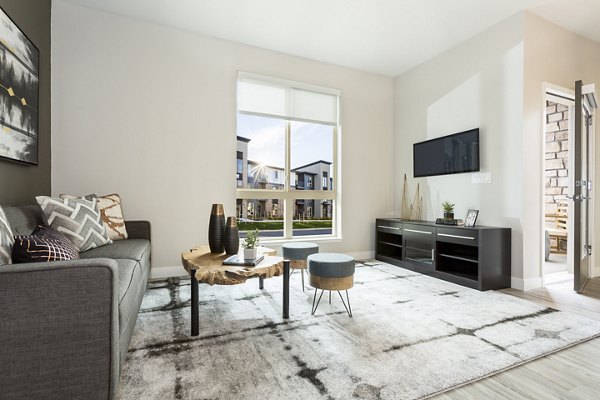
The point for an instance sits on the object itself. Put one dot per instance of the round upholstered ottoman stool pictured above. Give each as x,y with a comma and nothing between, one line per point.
297,253
331,271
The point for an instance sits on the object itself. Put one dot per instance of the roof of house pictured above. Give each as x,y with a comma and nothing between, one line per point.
312,163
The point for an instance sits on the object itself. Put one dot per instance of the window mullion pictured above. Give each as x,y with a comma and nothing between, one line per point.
289,202
335,181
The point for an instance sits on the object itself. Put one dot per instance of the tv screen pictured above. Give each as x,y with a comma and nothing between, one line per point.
450,154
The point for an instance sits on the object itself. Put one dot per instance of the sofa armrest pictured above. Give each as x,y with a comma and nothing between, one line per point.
138,229
59,330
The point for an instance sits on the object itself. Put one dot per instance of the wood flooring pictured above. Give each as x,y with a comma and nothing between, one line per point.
573,373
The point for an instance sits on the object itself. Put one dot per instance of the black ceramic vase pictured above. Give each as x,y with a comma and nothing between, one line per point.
216,229
232,237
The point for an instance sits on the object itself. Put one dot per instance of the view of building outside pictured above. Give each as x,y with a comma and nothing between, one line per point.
261,152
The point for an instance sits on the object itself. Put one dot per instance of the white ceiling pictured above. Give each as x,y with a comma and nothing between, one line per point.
383,36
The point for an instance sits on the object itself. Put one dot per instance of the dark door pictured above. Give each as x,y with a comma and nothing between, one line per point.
582,186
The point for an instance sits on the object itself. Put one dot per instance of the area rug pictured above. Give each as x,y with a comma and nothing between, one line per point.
411,336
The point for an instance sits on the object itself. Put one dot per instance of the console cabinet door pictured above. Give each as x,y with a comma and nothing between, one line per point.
419,245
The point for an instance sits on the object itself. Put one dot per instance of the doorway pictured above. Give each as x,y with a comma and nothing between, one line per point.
557,231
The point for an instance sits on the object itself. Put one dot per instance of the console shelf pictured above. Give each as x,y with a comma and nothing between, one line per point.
473,260
391,244
477,257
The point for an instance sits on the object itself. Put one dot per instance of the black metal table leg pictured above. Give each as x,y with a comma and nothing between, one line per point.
261,282
194,301
286,289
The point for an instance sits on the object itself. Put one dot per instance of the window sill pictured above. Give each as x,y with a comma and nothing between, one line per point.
318,239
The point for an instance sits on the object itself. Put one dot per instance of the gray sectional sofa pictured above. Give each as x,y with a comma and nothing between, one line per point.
65,326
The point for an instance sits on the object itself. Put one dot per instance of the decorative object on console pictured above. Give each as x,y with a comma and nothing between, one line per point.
444,221
416,208
411,211
471,218
405,208
250,244
216,229
6,239
111,213
78,219
448,210
232,237
19,95
43,245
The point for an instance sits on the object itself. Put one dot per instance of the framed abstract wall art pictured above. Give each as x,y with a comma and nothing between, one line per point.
19,93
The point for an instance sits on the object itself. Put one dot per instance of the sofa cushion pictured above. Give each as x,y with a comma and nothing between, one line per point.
24,219
43,245
78,219
111,213
6,239
130,276
131,249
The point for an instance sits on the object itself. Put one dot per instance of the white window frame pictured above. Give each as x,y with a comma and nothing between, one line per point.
289,196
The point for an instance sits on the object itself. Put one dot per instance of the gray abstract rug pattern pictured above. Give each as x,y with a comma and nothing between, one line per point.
411,336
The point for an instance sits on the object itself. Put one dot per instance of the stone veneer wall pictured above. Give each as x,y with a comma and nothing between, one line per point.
556,174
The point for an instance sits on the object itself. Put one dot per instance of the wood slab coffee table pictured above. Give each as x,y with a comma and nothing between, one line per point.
206,267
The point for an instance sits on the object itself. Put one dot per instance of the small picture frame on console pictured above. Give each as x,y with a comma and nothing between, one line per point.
471,218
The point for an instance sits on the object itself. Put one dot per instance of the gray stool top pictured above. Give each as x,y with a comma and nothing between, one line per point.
331,265
299,250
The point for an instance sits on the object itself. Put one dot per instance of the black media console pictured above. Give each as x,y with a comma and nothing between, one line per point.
477,257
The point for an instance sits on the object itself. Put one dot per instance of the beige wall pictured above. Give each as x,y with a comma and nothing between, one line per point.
149,112
476,84
558,57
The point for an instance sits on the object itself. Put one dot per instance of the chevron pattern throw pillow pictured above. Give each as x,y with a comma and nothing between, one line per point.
110,212
6,239
78,219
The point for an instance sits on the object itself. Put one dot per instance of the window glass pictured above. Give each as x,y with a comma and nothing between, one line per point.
311,154
266,215
312,217
262,141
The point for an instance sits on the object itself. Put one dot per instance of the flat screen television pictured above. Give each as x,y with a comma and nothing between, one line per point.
452,154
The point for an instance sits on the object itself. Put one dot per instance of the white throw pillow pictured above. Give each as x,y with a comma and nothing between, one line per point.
6,240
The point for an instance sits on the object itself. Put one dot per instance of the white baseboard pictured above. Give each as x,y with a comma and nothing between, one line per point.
167,272
362,255
525,284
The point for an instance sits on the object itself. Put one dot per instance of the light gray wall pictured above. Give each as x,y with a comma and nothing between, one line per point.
478,84
495,81
572,58
150,112
20,183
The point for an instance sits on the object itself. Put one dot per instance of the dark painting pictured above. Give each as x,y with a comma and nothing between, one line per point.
19,71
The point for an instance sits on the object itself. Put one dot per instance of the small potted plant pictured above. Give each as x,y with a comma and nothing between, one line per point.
250,244
448,210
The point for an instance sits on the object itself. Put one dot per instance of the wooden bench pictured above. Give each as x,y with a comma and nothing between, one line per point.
558,234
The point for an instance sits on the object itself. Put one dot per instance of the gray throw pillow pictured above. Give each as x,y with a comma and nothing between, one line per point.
6,239
78,219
